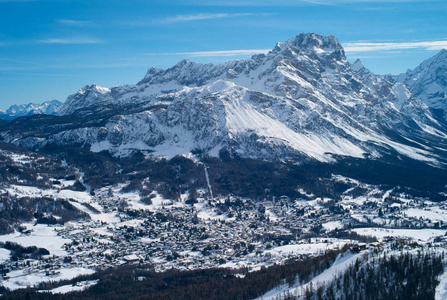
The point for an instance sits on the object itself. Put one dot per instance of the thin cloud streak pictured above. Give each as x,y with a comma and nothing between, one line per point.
338,2
6,1
41,74
73,22
291,3
247,52
320,3
356,47
353,47
203,16
70,41
21,62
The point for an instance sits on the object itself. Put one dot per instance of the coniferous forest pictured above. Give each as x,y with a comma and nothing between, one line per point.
404,276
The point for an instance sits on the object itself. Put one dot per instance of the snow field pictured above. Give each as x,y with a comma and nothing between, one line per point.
20,280
41,236
80,286
424,235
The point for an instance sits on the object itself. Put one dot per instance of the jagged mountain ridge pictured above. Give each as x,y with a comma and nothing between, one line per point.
46,108
303,100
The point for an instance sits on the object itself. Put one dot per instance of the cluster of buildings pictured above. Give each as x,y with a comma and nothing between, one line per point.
227,232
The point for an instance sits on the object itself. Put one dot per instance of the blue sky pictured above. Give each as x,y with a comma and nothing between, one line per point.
51,48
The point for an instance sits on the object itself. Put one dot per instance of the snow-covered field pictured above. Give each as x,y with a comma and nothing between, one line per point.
41,236
432,213
27,278
28,191
417,234
4,255
80,286
333,225
308,248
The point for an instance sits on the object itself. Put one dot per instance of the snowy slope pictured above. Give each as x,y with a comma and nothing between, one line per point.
338,267
441,289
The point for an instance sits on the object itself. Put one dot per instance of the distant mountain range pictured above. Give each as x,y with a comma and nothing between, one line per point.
47,108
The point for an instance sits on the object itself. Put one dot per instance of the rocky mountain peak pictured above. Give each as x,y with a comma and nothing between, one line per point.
442,54
364,73
433,63
428,82
325,49
93,88
313,40
152,72
85,97
357,65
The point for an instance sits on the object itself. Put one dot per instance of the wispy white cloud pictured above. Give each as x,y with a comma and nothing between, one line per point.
4,1
356,47
247,52
322,2
70,41
375,8
40,74
73,22
336,2
291,2
19,1
20,61
186,18
351,47
203,16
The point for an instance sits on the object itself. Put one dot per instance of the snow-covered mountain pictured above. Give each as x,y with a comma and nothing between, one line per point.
428,82
301,101
46,108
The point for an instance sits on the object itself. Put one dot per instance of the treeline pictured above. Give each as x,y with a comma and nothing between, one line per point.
24,167
20,252
405,276
242,177
19,166
135,282
43,209
249,178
